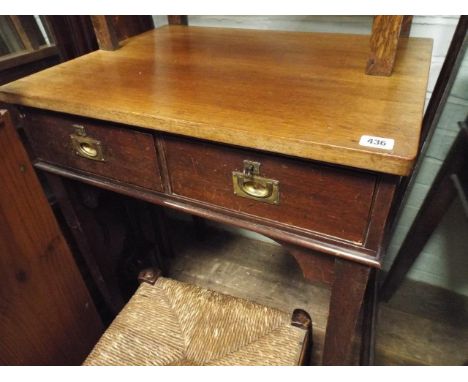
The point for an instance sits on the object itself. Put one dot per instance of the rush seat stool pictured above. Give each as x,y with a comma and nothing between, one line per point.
167,322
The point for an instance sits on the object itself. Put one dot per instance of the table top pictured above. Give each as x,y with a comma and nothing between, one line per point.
299,94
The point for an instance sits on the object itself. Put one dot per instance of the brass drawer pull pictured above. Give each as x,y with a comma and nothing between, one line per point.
85,146
248,184
258,188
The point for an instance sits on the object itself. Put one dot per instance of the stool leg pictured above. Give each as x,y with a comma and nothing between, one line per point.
149,275
301,319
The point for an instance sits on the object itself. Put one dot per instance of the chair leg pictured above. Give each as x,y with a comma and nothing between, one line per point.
149,275
436,203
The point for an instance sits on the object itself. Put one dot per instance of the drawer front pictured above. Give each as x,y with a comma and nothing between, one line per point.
97,147
324,199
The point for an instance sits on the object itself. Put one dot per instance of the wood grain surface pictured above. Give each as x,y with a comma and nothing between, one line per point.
316,198
274,230
47,316
130,156
299,94
384,43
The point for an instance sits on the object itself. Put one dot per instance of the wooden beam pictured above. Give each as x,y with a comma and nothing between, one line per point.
129,26
26,31
406,26
383,44
25,57
105,32
177,20
73,35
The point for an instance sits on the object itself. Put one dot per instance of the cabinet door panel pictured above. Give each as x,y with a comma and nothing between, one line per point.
47,316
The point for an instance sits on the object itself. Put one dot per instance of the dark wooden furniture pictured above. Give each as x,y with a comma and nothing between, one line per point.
70,37
47,316
24,49
451,180
256,129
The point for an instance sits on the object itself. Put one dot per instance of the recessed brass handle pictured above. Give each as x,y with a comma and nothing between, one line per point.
258,188
248,184
88,150
87,147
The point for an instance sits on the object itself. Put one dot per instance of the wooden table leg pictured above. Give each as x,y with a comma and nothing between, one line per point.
369,320
346,299
348,281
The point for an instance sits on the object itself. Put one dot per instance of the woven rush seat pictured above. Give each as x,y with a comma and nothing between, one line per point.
173,323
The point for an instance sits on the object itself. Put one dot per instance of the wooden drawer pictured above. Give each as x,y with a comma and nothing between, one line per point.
128,155
324,199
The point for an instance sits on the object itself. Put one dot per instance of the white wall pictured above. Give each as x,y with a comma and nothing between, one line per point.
444,261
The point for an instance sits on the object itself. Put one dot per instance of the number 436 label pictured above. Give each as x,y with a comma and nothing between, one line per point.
377,142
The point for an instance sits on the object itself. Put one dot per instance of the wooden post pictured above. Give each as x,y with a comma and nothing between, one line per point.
369,320
24,25
105,32
177,20
386,32
406,26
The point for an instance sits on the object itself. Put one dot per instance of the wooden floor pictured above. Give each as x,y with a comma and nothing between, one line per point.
421,325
